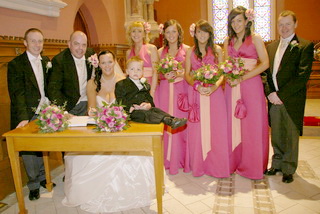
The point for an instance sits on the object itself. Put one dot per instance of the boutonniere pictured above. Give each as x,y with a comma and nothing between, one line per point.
48,66
143,82
293,44
93,60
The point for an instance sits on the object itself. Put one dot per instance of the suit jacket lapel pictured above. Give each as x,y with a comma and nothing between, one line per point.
29,70
273,51
132,85
44,62
70,64
287,53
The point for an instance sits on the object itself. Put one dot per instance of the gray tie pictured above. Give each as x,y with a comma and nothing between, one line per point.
283,45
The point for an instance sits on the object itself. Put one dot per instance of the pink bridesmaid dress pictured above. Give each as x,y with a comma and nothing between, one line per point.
248,136
147,67
173,99
207,144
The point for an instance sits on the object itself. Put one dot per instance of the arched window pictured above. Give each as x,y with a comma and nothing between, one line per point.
263,22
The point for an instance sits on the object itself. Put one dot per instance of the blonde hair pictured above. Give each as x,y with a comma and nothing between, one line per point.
134,59
131,27
288,13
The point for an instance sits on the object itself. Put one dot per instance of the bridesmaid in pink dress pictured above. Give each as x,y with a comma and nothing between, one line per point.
248,136
137,35
207,151
173,97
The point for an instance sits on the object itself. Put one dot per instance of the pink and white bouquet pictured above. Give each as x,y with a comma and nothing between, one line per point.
52,118
111,118
206,76
232,68
167,65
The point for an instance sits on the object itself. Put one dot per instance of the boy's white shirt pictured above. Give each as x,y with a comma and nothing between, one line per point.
138,83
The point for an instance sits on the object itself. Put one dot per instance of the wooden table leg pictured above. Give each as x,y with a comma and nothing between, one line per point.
49,184
158,168
16,173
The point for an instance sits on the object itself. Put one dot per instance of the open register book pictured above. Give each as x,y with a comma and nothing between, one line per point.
81,121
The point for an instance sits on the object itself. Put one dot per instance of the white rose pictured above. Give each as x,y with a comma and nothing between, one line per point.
143,80
49,65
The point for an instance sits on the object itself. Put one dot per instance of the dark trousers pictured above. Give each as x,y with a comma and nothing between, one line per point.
34,166
33,163
152,116
284,139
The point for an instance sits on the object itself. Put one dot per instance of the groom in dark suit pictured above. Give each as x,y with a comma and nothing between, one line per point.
27,86
70,73
290,67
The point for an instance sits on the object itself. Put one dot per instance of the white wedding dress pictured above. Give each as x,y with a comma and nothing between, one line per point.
108,182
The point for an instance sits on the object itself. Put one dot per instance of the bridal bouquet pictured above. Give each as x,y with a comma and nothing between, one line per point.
232,68
52,118
111,118
207,75
167,65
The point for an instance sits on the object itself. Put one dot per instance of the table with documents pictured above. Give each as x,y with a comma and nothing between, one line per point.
139,137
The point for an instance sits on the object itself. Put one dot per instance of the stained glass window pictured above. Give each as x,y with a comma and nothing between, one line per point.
262,22
237,3
220,19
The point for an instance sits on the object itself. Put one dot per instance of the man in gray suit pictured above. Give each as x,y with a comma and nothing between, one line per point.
27,86
290,67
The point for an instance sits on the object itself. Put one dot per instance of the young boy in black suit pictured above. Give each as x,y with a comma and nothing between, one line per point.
134,93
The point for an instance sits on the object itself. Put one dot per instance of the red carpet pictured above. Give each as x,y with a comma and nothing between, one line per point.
311,121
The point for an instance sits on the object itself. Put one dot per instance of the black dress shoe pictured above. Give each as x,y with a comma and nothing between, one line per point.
178,122
44,182
287,178
34,194
174,122
272,171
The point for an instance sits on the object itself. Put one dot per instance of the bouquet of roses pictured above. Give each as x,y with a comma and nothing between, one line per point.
111,118
52,118
207,75
167,65
232,68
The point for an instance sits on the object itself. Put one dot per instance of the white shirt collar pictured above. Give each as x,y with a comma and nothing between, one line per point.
288,39
77,59
137,83
32,58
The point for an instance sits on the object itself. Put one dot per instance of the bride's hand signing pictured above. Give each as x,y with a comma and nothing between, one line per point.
92,111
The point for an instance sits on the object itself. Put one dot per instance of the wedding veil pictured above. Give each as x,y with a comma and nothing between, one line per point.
117,70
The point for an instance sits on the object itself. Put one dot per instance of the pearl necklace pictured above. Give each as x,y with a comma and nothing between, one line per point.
109,80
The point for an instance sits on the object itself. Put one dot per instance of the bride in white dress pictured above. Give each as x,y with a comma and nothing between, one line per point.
108,182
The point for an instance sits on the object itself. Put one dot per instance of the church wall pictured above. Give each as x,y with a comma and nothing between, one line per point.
15,23
308,16
185,12
189,11
105,20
